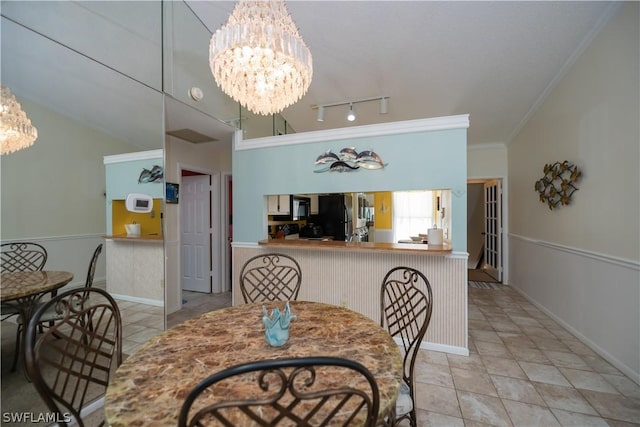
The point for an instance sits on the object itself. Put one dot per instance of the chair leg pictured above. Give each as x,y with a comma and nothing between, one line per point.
16,353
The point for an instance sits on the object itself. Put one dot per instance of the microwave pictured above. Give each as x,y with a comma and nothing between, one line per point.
300,208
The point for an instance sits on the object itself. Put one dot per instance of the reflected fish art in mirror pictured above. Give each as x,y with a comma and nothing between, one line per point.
276,325
348,160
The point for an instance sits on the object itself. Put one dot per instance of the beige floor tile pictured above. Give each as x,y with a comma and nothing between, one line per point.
144,335
473,381
433,374
516,339
526,354
544,373
435,357
552,344
526,321
484,409
502,366
485,335
566,398
442,400
492,349
504,326
578,347
533,331
600,365
473,361
480,325
526,415
614,406
624,385
587,380
562,359
433,419
516,389
616,423
573,419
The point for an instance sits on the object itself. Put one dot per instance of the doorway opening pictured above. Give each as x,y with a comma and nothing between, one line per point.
485,231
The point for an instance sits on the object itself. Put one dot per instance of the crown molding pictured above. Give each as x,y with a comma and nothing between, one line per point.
128,157
392,128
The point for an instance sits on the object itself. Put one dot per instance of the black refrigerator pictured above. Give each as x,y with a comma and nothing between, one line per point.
334,215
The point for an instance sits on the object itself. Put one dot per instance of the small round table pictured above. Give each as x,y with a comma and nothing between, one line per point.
151,385
23,289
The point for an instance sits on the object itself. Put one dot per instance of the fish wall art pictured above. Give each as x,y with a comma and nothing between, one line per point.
156,174
348,160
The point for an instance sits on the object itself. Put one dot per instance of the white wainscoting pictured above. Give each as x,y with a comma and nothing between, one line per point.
72,253
353,278
595,296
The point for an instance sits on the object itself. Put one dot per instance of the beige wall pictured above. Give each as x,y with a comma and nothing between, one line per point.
580,263
56,187
591,119
487,161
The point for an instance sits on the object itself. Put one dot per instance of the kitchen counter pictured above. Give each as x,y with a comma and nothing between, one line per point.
360,246
157,238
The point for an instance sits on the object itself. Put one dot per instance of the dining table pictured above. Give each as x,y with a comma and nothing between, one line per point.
150,386
23,290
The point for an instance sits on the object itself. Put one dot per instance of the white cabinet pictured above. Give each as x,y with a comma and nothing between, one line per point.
279,205
315,209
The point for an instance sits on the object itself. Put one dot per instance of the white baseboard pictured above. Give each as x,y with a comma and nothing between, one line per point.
586,341
443,348
147,301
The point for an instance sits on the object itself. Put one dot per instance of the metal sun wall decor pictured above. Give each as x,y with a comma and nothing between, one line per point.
348,160
558,183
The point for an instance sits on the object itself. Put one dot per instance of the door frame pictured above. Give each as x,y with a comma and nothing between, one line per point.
216,225
505,219
227,223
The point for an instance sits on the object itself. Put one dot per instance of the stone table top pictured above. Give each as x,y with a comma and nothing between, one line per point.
29,283
151,385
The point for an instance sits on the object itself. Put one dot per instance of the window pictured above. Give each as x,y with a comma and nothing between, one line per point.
412,213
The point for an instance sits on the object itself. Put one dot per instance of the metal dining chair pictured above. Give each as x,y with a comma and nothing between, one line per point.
70,363
20,256
270,277
305,391
50,316
406,302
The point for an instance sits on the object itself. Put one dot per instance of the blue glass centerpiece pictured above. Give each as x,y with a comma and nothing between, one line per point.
276,325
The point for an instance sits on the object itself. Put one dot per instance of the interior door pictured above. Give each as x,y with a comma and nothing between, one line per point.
195,214
493,229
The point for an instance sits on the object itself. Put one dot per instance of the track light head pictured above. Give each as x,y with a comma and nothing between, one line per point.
351,115
320,116
383,106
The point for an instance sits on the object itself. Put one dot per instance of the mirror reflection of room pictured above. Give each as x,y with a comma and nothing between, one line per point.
406,217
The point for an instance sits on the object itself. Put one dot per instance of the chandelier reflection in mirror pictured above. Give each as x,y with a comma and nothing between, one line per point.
348,160
16,130
259,59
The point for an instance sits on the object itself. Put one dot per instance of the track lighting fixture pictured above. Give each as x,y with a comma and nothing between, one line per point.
351,115
383,105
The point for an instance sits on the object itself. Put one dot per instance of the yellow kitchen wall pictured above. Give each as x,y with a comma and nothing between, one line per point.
150,223
382,202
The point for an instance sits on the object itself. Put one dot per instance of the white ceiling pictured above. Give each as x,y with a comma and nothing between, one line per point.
495,61
492,60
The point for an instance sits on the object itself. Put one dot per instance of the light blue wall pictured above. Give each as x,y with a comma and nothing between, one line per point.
122,179
416,161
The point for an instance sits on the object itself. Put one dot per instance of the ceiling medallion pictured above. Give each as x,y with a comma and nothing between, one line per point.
259,59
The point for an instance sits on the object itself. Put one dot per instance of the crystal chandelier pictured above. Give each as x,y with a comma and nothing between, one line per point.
16,131
259,59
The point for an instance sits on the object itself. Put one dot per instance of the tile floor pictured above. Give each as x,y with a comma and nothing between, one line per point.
523,369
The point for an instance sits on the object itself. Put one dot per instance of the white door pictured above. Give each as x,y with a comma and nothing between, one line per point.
493,229
195,239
